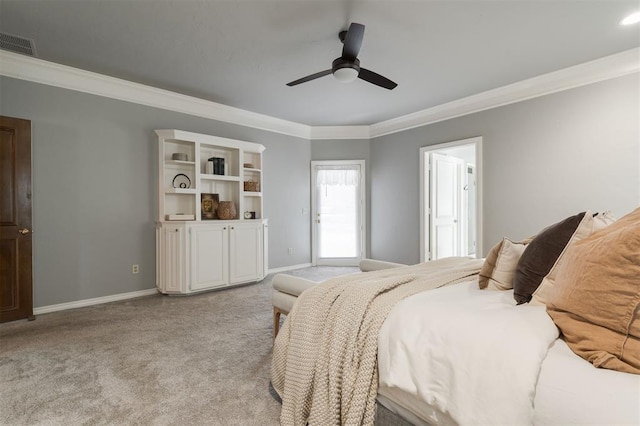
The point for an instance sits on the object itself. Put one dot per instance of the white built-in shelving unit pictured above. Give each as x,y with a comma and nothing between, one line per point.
195,251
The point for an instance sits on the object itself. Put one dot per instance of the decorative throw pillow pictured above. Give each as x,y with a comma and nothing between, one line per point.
540,255
500,264
596,299
588,225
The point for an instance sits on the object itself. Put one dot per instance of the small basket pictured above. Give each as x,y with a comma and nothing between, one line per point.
226,210
251,186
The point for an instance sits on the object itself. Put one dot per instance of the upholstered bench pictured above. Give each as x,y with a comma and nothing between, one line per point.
287,288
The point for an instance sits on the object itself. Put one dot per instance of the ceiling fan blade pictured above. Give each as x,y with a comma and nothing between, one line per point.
353,41
310,77
376,79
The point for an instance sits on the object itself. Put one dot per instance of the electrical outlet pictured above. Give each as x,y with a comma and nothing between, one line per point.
135,269
290,251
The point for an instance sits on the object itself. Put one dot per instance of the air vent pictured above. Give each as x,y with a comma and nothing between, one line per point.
17,44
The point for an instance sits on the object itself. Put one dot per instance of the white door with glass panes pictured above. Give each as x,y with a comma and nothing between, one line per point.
338,212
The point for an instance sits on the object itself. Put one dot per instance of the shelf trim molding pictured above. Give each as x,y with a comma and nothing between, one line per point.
93,301
49,73
221,178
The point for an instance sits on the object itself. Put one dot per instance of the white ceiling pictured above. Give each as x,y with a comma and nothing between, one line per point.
242,53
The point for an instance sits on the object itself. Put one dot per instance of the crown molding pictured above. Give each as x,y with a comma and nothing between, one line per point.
52,74
605,68
340,132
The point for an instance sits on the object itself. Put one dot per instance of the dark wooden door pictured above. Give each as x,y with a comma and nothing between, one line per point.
16,294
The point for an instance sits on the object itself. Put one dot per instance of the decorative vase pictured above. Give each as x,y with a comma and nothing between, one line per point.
226,210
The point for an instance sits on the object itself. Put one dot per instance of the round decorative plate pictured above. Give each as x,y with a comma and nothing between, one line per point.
181,181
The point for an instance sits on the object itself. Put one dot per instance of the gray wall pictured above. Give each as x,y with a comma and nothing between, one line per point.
94,171
348,149
544,159
94,192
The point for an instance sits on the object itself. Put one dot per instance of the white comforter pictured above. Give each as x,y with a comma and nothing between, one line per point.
463,355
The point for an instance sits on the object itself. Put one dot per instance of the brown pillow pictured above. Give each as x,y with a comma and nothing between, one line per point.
500,264
540,255
588,225
596,302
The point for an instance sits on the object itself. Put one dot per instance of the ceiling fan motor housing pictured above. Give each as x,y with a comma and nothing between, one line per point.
345,70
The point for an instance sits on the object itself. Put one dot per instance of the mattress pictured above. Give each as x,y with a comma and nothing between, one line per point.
569,389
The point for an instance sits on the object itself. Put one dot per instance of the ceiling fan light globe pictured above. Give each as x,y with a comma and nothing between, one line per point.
345,75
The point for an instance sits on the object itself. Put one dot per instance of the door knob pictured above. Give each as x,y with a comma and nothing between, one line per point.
24,231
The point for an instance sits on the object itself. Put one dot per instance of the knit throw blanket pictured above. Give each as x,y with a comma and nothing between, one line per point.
325,356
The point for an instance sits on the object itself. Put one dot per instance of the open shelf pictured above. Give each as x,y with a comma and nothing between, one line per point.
178,162
180,191
220,177
227,183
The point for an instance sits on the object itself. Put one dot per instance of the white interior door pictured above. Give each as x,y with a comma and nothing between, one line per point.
446,198
337,212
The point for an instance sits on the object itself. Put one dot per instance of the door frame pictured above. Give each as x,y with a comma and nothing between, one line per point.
362,218
424,188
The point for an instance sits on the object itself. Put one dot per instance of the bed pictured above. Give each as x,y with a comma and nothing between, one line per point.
566,388
461,341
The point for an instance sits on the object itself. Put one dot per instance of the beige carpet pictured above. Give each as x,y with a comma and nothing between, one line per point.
201,359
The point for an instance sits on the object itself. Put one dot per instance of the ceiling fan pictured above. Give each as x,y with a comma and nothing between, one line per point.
347,68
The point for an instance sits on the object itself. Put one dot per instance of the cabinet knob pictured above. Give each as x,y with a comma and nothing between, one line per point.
233,227
224,229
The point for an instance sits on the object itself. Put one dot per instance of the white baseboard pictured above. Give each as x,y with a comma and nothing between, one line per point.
289,268
94,301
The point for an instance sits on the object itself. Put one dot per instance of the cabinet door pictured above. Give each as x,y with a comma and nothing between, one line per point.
172,279
245,257
209,256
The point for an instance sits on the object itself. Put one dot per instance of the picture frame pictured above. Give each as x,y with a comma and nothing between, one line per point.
209,206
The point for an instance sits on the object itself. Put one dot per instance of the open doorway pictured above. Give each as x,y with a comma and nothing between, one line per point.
451,199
